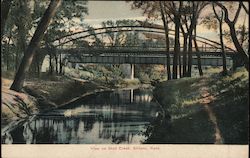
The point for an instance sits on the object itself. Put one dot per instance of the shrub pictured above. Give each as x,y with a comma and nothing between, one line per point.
144,78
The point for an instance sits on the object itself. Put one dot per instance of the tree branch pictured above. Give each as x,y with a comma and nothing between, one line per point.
216,15
244,7
237,13
226,17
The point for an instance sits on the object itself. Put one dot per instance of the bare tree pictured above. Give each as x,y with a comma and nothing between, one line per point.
165,23
220,20
231,23
177,18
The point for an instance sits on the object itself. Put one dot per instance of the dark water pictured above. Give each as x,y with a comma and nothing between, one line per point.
104,118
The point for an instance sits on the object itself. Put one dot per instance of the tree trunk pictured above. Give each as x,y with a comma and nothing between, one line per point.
21,43
5,9
7,59
190,53
184,59
56,62
180,66
38,67
244,56
8,52
237,45
51,68
34,43
60,63
165,23
220,20
16,61
224,71
197,54
190,45
176,45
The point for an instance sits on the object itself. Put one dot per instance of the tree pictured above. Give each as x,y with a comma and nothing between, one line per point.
195,10
189,15
63,23
34,44
177,21
231,24
197,53
155,9
220,20
5,8
21,13
165,24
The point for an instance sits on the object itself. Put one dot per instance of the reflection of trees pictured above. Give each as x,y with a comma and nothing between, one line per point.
7,138
29,133
158,128
121,97
112,119
17,135
74,130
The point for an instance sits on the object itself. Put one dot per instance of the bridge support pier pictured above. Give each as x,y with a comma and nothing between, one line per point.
132,74
131,96
128,70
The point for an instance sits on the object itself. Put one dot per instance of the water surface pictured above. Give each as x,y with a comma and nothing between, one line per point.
119,116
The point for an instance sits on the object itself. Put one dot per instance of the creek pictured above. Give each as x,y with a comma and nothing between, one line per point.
111,117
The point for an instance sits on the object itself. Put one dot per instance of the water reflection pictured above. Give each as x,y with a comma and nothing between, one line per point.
105,118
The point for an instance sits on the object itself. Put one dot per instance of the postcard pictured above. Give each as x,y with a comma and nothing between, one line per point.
123,79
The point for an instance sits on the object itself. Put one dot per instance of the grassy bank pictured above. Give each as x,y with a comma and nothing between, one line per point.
48,92
14,105
200,107
41,94
58,90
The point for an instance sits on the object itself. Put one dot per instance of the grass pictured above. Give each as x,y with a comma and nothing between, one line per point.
128,82
8,74
59,91
190,122
231,107
48,92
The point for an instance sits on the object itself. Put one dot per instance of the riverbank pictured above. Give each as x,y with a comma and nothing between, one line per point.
49,92
15,105
209,109
42,94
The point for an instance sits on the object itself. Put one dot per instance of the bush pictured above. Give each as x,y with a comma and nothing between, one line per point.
86,75
129,82
156,76
144,78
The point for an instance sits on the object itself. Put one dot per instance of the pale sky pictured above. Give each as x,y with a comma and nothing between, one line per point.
115,10
110,10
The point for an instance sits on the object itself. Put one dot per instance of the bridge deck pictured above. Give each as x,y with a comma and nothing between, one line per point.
159,59
142,51
132,55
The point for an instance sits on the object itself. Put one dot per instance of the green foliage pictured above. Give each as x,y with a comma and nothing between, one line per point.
129,82
23,19
143,77
181,100
116,38
108,74
149,73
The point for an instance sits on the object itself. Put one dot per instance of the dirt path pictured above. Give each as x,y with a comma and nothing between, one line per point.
208,98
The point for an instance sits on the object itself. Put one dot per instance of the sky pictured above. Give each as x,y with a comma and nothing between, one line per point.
110,10
114,10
